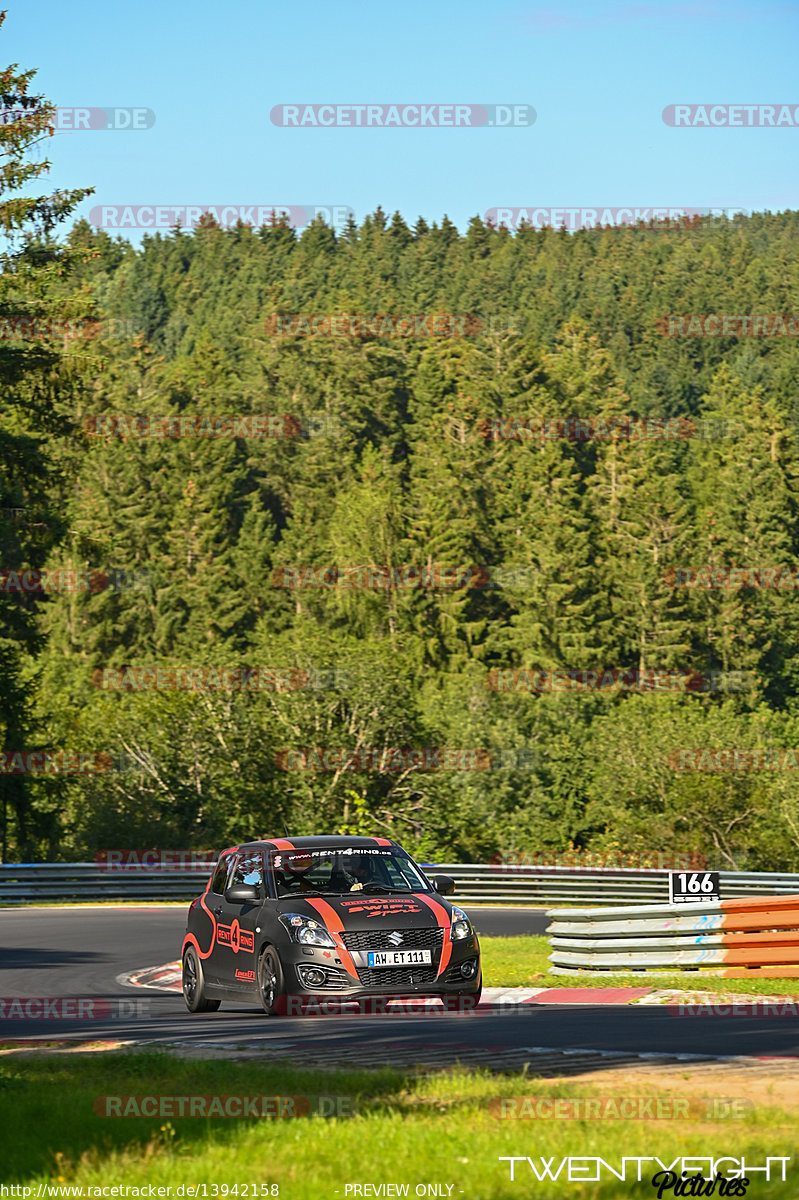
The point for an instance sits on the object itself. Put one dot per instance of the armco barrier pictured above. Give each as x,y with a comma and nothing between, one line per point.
733,938
499,884
26,883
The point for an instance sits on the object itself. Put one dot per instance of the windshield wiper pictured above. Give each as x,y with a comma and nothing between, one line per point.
300,895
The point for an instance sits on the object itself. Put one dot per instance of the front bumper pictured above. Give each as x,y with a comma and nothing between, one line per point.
395,982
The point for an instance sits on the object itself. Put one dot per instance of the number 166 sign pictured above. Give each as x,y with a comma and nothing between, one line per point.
687,887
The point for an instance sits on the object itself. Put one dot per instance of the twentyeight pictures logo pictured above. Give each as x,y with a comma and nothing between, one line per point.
403,116
633,1168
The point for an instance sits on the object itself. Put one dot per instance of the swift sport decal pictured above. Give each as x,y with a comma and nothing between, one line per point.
443,918
334,925
380,907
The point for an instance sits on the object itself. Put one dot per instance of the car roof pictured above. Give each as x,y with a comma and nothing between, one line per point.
322,842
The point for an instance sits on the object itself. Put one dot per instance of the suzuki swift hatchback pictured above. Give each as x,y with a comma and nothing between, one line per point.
287,921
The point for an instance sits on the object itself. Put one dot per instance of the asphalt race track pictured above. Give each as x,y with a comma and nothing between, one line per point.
79,952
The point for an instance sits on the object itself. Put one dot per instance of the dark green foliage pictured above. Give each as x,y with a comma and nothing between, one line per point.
402,460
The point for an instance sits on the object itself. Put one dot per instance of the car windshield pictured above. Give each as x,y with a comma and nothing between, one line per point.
349,869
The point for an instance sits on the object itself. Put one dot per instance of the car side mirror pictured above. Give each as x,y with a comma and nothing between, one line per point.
243,893
443,884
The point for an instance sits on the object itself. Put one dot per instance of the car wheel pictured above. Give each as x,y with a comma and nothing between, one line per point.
270,982
194,985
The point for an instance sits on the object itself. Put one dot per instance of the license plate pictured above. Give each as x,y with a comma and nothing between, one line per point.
396,958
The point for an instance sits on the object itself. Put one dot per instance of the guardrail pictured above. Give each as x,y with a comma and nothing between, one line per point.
499,884
732,938
26,883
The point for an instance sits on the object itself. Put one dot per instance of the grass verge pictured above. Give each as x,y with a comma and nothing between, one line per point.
396,1126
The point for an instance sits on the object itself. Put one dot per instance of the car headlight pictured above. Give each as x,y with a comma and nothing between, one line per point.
461,925
306,930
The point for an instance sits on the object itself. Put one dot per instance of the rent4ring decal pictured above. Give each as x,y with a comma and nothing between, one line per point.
235,937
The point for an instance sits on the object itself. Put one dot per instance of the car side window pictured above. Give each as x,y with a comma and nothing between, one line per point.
220,875
249,869
394,873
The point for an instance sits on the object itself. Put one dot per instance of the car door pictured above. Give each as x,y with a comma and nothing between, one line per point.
211,904
236,924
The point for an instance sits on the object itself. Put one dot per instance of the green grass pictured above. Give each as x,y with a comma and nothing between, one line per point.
401,1127
524,962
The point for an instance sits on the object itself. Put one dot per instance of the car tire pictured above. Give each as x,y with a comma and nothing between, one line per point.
194,985
271,985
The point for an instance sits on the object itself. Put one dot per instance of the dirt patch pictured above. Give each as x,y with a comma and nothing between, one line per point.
778,1086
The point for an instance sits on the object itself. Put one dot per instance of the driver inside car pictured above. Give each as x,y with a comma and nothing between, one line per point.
361,871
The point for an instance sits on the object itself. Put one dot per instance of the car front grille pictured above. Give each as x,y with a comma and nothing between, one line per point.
425,938
396,977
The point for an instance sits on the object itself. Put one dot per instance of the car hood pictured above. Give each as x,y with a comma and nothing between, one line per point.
354,912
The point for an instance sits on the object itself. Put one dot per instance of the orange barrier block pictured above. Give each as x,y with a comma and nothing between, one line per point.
759,956
759,937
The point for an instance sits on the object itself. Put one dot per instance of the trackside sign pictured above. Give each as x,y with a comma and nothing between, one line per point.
694,887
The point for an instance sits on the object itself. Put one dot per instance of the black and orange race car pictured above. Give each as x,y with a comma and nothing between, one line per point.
288,920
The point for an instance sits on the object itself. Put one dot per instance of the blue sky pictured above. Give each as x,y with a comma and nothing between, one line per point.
597,75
